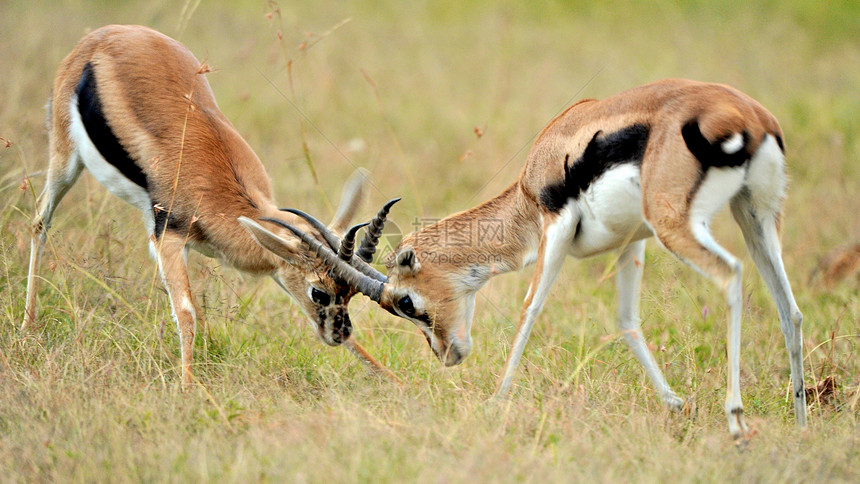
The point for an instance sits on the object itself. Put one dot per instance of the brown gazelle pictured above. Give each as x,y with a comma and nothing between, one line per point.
133,106
658,160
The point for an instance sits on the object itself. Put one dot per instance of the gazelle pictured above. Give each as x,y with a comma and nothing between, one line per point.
661,160
133,106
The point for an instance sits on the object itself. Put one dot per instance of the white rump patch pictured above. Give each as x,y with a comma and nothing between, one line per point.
766,179
733,144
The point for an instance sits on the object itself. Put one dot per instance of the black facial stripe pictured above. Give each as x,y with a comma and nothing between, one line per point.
342,293
603,152
100,132
392,311
424,318
712,154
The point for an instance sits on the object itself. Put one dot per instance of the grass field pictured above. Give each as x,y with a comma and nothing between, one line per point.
92,394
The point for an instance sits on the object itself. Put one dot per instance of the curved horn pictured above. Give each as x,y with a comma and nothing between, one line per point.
330,237
347,243
334,243
371,237
365,269
364,284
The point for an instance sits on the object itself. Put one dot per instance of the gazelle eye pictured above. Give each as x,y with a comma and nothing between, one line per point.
404,304
320,297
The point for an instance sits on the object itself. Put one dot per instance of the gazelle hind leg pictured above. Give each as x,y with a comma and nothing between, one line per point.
762,239
628,283
726,271
708,258
552,251
170,252
63,171
757,210
682,226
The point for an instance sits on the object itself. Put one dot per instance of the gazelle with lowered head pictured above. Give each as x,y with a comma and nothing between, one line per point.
658,160
133,106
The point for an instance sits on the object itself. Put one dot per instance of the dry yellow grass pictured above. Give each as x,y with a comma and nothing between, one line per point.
92,394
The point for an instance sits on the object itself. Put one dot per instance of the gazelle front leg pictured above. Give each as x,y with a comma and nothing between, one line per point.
628,283
170,252
554,243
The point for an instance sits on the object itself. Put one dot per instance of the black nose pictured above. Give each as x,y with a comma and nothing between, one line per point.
453,356
342,328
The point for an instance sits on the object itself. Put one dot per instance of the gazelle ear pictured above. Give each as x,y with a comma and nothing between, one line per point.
406,262
354,192
288,249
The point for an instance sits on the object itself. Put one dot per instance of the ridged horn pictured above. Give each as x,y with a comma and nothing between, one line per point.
330,237
364,284
347,243
333,242
371,237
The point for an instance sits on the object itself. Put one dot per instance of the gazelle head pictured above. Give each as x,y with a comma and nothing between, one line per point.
305,248
437,295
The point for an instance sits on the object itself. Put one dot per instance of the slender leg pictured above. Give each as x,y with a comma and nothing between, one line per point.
551,253
628,282
171,252
711,260
762,239
359,352
681,223
734,406
62,174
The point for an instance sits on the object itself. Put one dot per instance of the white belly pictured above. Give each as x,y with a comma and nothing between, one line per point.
610,213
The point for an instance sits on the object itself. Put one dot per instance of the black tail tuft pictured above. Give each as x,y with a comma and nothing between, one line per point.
711,154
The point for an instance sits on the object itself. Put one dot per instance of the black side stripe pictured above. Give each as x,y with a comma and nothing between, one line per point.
712,154
176,222
100,132
780,143
626,145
